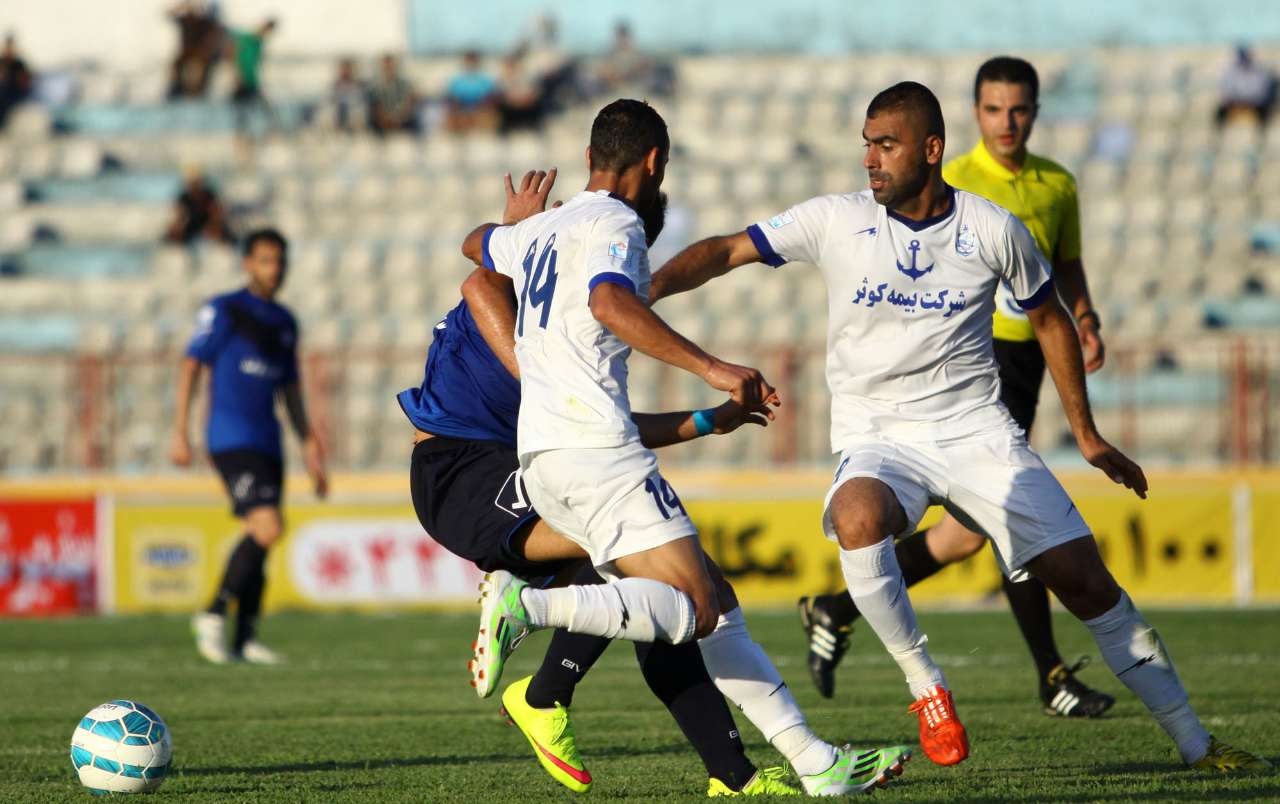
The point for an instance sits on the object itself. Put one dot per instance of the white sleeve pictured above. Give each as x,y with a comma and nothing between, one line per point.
797,235
1022,266
616,253
497,251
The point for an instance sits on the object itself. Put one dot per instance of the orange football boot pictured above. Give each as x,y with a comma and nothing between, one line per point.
942,736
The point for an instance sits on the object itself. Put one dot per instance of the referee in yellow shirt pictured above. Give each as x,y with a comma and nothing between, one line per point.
1043,195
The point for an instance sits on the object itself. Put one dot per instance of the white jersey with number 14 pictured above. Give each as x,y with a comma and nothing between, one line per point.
573,371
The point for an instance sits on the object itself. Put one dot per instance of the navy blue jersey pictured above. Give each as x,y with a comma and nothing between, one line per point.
250,346
466,392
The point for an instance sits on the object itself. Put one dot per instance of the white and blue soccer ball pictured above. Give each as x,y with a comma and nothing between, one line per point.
121,747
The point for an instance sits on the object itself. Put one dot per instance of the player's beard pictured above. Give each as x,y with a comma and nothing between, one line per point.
898,190
654,217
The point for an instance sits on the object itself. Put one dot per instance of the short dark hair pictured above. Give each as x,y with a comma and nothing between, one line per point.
624,132
264,235
1008,69
915,98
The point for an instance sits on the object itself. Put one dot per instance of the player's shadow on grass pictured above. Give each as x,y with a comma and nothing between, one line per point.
414,762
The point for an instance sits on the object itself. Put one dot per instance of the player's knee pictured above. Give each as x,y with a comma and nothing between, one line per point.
266,527
706,615
862,526
725,593
965,543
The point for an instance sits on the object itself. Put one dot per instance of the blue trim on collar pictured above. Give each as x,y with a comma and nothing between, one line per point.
917,226
767,255
1039,297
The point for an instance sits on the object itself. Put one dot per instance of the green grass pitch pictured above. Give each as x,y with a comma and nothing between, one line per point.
377,708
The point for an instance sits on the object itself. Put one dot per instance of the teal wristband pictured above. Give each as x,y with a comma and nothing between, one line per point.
704,421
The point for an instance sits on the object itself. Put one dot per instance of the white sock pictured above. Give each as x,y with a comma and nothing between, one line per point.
1134,652
875,583
638,609
746,676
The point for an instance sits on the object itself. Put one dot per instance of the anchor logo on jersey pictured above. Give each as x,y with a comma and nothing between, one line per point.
914,272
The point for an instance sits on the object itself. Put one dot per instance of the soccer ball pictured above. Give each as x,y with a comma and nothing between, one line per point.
121,747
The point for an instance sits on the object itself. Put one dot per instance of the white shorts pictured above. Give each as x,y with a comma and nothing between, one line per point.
611,501
993,482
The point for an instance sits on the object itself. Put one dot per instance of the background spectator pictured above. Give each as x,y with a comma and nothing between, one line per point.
199,43
348,95
521,100
471,97
15,78
625,67
248,48
198,213
1248,89
393,103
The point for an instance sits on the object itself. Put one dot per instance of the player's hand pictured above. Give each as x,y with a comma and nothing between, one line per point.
1115,464
730,415
531,198
1091,346
180,449
313,455
746,385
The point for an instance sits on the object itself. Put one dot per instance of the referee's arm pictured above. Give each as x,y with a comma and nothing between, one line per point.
1069,277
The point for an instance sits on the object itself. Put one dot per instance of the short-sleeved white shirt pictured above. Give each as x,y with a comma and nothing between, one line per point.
909,347
573,371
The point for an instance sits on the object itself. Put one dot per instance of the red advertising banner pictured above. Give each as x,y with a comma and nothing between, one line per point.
47,556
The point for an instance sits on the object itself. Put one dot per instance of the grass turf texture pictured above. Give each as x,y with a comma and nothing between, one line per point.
374,708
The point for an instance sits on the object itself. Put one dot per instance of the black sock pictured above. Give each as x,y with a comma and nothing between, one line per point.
568,658
244,563
678,677
249,606
1030,603
914,558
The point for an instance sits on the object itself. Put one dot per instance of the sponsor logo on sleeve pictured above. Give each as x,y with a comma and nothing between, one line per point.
779,221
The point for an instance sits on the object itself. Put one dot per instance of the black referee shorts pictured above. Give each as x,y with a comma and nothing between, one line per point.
1021,373
469,498
252,478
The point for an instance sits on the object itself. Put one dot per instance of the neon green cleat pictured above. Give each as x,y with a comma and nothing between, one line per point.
1226,759
857,771
765,782
504,624
551,735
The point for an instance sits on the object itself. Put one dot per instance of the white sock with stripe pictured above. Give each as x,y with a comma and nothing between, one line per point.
744,674
637,609
1134,652
876,585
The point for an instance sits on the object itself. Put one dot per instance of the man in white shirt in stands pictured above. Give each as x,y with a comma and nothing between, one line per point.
912,267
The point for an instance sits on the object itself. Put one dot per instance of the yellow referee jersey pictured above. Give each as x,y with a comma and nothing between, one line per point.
1043,196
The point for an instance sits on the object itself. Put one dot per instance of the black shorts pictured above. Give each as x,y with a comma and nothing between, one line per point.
1021,373
252,478
469,498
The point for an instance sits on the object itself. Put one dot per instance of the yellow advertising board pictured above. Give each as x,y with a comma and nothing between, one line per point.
169,558
1197,540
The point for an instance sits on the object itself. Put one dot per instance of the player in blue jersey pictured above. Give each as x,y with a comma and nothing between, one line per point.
248,344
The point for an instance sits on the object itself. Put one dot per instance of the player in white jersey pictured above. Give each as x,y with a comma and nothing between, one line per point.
581,274
912,267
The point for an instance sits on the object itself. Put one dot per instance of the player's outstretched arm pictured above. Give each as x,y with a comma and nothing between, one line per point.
492,299
626,316
188,379
1062,355
665,429
701,262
